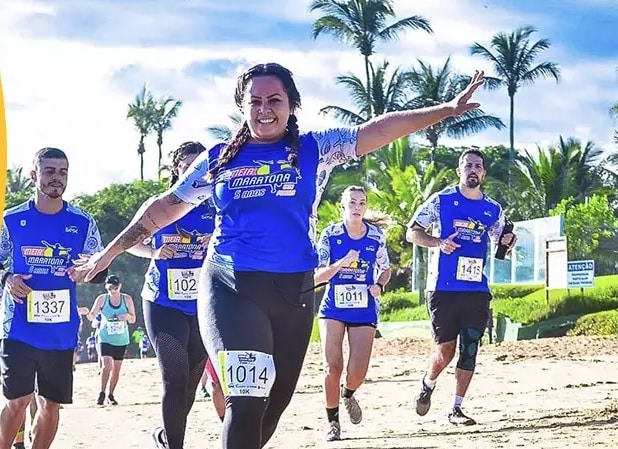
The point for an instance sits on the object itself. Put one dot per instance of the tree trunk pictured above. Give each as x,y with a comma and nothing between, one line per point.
512,128
369,100
421,274
511,135
160,145
140,151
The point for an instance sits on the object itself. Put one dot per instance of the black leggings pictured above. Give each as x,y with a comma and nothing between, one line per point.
256,311
182,357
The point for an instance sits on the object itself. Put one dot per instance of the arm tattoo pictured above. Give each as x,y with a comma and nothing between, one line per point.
132,236
172,199
148,217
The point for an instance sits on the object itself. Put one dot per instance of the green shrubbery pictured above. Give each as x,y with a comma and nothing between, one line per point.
528,305
534,307
600,323
402,305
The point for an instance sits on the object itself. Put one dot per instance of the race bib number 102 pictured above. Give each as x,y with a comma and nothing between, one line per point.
246,373
182,284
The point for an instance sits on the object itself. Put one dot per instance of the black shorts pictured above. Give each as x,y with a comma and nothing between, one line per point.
450,312
21,363
115,352
349,324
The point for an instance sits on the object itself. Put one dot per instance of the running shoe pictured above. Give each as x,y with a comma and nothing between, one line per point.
334,431
457,417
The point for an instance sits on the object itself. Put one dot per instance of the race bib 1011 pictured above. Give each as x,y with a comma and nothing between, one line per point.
351,296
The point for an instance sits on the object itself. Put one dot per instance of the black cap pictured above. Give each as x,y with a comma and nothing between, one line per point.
112,279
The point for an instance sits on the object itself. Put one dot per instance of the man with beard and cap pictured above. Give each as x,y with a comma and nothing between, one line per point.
40,240
456,225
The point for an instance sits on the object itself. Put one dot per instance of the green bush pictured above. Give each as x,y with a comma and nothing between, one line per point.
535,308
513,291
418,313
600,323
397,300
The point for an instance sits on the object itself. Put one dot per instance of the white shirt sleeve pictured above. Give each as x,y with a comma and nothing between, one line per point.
193,187
428,213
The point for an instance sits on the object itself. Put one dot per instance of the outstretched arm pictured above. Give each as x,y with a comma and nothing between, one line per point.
152,216
155,214
386,128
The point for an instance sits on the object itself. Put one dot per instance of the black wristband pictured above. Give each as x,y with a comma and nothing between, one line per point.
381,286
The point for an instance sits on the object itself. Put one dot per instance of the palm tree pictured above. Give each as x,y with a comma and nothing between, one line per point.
16,181
165,110
614,113
142,112
382,94
434,87
560,172
404,184
514,59
361,24
224,133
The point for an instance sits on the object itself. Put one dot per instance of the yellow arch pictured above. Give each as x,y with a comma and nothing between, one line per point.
3,150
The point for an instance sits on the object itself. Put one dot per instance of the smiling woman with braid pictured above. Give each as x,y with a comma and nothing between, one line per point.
255,293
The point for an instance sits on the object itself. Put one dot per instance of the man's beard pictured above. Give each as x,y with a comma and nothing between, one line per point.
472,182
53,192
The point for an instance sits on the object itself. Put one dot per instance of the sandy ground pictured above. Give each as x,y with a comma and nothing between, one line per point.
550,393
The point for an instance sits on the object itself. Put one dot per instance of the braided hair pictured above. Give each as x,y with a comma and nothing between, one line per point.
292,135
180,154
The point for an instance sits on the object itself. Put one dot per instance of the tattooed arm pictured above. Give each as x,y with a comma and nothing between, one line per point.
155,214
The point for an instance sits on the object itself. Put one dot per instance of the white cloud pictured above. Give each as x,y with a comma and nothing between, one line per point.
61,93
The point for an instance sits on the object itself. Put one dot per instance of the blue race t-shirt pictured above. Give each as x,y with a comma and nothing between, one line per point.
347,297
476,222
44,246
267,209
173,282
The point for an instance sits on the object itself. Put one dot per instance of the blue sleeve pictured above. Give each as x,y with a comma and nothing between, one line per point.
324,249
6,249
336,146
428,213
194,187
382,260
93,242
496,230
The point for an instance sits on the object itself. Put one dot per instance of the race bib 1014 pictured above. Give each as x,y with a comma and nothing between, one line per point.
246,373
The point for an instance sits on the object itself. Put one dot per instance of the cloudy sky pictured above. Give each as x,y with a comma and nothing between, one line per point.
70,67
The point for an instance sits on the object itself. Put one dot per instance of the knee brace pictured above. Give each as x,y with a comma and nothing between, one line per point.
469,339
